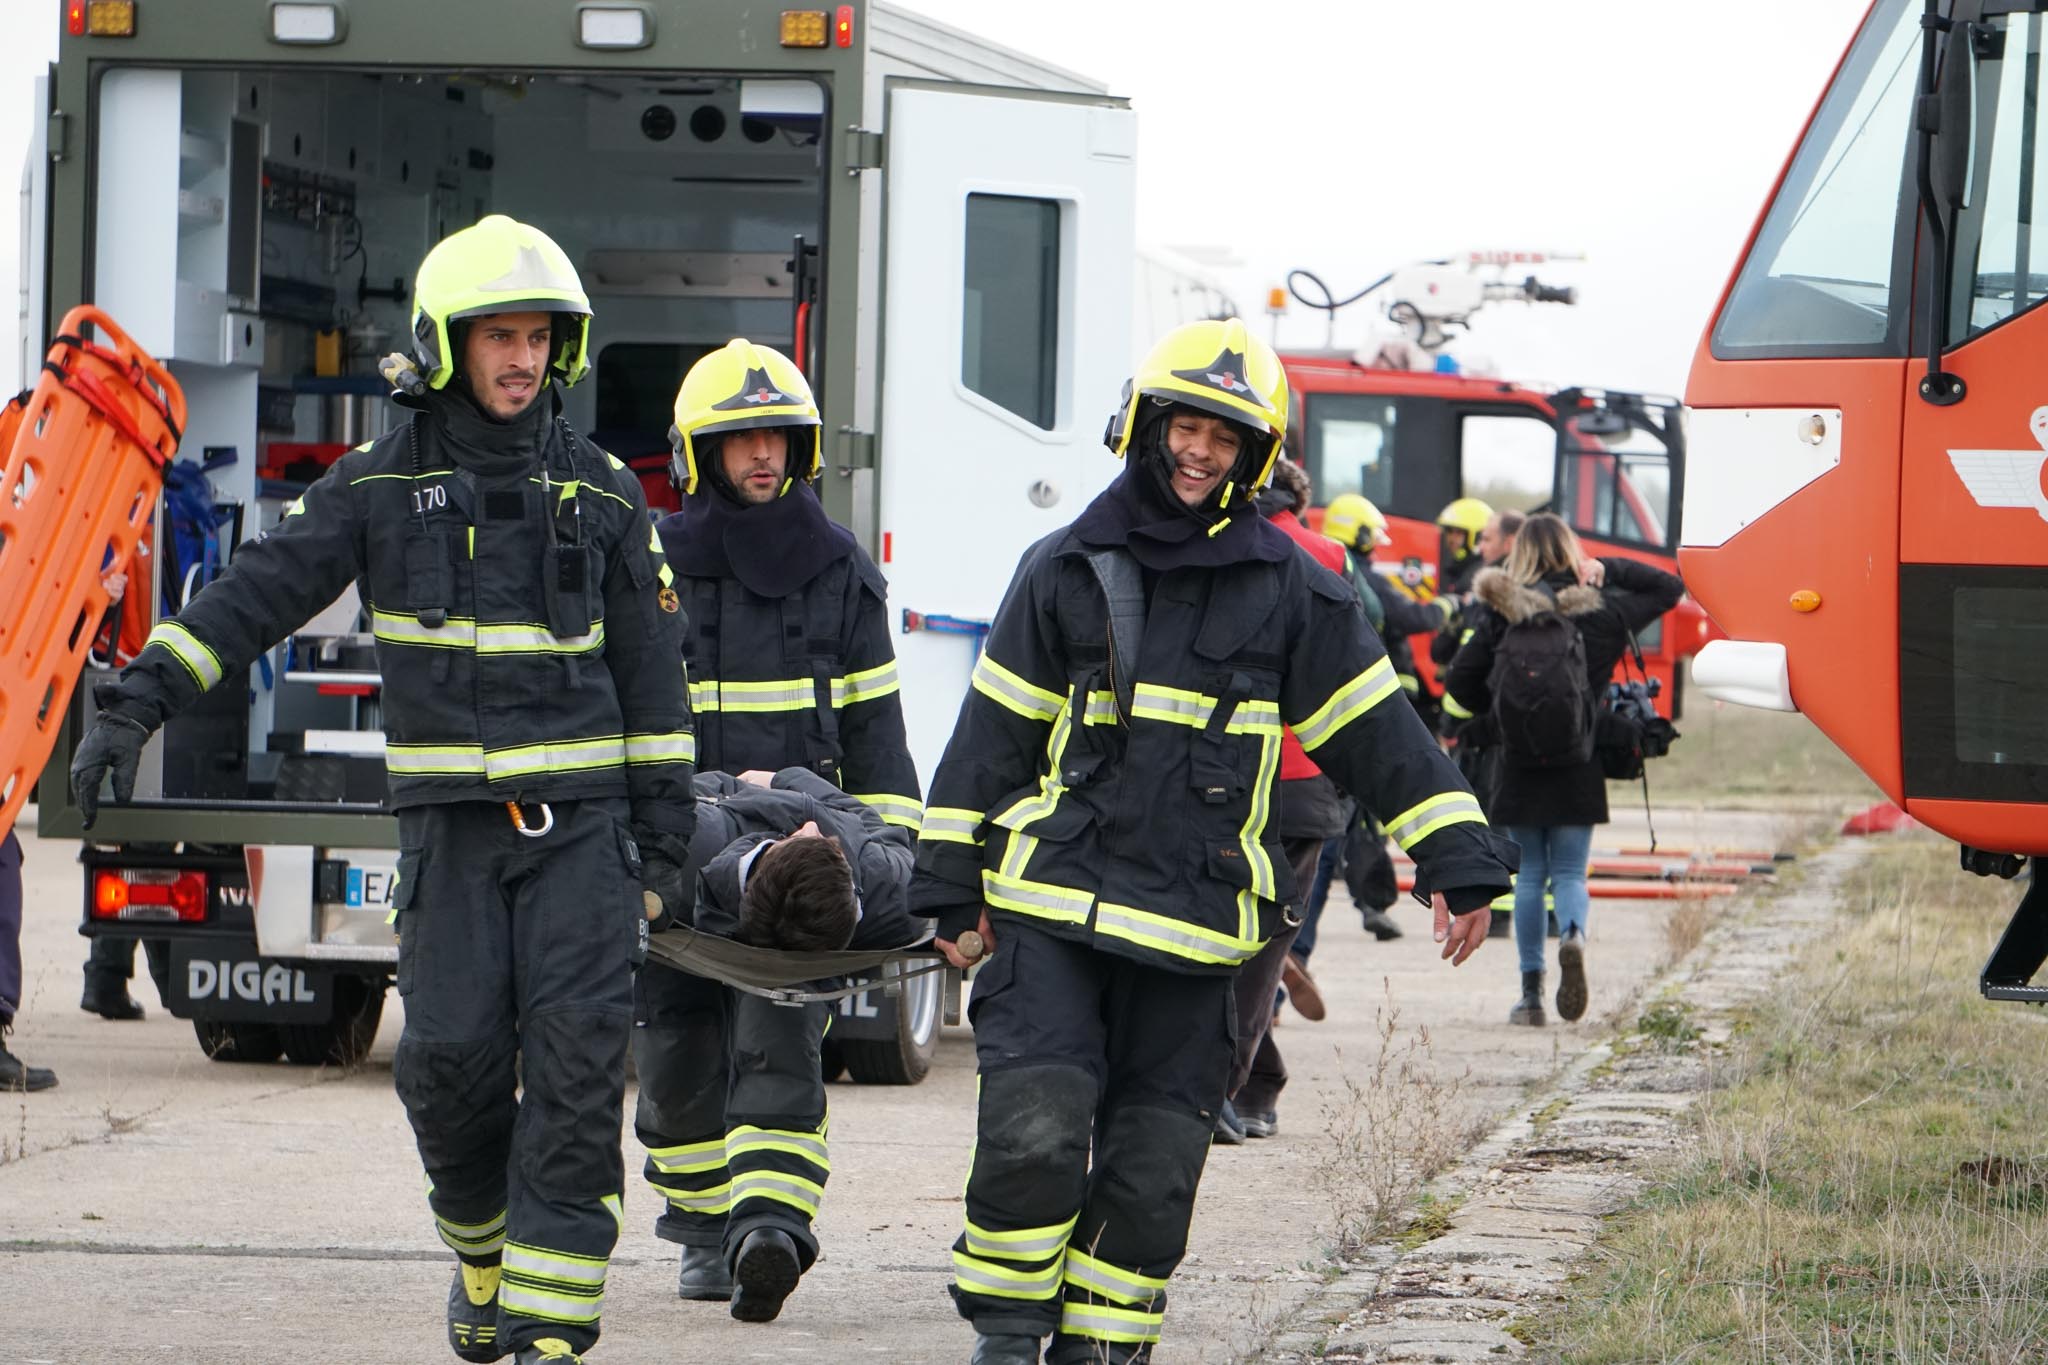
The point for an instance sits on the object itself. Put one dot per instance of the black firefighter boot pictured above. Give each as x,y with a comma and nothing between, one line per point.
763,1274
1529,1009
15,1074
704,1276
473,1313
1005,1348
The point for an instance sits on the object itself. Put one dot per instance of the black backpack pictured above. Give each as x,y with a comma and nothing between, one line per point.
1542,708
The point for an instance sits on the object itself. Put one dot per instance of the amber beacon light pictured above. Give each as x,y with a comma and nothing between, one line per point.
804,28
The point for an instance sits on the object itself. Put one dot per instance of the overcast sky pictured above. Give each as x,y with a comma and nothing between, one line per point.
1352,136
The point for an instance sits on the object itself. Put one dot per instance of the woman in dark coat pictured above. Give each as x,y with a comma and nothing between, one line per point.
1550,812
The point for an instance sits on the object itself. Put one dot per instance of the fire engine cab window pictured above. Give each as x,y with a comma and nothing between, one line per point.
1351,447
1009,332
2000,228
1822,273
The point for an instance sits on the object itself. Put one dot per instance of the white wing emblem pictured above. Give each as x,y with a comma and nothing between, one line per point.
2007,478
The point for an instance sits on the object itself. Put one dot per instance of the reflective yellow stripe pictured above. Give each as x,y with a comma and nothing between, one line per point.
1101,709
869,684
1019,1244
616,1204
662,571
1347,704
1177,705
474,1238
704,696
678,746
1031,809
576,755
561,1266
952,825
781,694
1254,829
1418,822
1041,899
1453,710
298,506
457,632
712,1199
1100,1277
793,1190
977,1276
188,649
1100,1322
549,1305
688,1158
894,809
1173,936
1011,692
462,632
809,1146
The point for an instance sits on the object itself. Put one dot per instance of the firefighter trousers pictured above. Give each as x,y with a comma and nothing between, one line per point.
515,961
1081,1050
731,1111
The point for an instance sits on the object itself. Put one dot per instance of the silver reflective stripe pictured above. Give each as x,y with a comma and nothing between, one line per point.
1158,703
896,810
690,1157
717,1200
528,639
421,759
458,632
1002,686
1349,702
554,1265
1124,1286
1027,1244
1100,710
677,747
704,696
1036,897
1109,1324
951,824
1450,808
1020,1284
527,1301
868,685
569,756
1172,937
791,695
784,1189
777,1140
197,657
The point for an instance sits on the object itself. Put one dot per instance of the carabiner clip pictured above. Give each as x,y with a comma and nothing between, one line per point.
547,819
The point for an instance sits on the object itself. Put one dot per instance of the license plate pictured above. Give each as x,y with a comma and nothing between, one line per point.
216,979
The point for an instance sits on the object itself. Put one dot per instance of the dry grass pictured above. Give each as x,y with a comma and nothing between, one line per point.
1868,1181
1391,1129
1735,751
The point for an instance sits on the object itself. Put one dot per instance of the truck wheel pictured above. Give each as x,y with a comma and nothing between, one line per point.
905,1058
831,1060
345,1039
237,1042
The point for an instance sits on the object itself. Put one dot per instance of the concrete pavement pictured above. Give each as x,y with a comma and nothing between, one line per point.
156,1205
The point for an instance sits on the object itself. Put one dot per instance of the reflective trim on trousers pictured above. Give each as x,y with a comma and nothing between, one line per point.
1100,1277
557,1286
977,1276
1018,1244
689,1157
1104,1323
808,1146
1347,704
1425,818
474,1239
793,1190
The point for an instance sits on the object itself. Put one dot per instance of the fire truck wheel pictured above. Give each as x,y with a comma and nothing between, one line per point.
345,1039
238,1042
905,1058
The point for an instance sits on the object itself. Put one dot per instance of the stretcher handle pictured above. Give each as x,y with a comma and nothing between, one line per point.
118,348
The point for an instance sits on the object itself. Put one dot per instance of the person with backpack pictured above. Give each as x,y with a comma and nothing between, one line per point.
1548,627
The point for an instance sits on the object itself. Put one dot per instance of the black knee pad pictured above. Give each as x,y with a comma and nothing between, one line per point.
459,1096
1032,1134
682,1074
573,1065
1146,1173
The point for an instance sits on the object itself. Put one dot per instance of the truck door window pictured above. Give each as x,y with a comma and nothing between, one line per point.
1615,494
1507,460
1350,447
1010,309
1822,271
2001,246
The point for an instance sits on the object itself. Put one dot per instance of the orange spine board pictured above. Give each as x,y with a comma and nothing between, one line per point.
78,486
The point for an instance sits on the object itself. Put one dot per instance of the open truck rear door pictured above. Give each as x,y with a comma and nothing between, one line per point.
1006,301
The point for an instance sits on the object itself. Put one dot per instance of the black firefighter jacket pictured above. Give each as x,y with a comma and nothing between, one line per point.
806,679
1150,835
499,681
729,811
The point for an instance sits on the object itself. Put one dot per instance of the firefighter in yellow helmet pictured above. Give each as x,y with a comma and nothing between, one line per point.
1101,819
538,753
792,666
1458,557
1355,523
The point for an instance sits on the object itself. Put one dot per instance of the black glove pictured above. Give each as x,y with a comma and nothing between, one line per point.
113,744
665,873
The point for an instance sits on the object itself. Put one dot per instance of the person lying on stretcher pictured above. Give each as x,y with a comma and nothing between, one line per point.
784,861
787,860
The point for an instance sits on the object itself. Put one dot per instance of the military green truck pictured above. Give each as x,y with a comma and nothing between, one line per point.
938,228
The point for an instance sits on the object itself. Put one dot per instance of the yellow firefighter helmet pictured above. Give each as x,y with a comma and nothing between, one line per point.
1353,522
744,386
1220,368
499,265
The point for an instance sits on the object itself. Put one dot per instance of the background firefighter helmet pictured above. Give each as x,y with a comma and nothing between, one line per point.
1217,367
499,265
1469,515
739,387
1352,521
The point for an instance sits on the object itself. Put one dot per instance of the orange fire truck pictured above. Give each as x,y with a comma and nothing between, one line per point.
1865,509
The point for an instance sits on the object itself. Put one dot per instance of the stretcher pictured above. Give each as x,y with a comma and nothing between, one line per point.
791,978
78,486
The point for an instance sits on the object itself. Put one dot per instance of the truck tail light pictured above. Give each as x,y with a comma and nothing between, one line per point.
138,893
100,18
842,27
